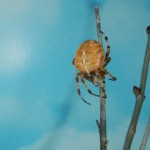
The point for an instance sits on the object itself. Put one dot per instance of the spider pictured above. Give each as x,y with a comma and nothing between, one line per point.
90,61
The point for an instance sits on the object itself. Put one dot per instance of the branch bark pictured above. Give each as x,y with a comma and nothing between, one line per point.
140,96
146,135
102,124
98,25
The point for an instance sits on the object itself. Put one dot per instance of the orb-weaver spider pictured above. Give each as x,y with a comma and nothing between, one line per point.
90,60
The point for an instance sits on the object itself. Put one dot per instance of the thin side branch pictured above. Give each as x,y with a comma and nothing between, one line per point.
102,124
140,96
146,135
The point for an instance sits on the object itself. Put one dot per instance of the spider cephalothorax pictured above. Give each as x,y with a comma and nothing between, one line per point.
90,60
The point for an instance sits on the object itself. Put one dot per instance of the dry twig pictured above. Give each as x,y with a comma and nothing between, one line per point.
140,96
102,124
146,135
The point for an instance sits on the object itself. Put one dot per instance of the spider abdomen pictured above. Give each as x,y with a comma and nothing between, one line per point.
89,57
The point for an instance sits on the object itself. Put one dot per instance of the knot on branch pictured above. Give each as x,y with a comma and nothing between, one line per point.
148,30
137,91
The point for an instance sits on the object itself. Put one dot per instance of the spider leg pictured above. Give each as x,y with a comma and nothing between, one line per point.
100,75
87,77
87,88
107,60
78,89
110,75
107,44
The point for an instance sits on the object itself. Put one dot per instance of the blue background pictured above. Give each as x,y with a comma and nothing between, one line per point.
39,105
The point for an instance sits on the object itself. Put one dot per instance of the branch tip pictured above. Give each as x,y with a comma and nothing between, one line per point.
96,8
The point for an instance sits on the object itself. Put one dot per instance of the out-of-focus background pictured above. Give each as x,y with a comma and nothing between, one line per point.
39,105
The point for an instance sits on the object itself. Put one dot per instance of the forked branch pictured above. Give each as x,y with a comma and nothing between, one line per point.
140,96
